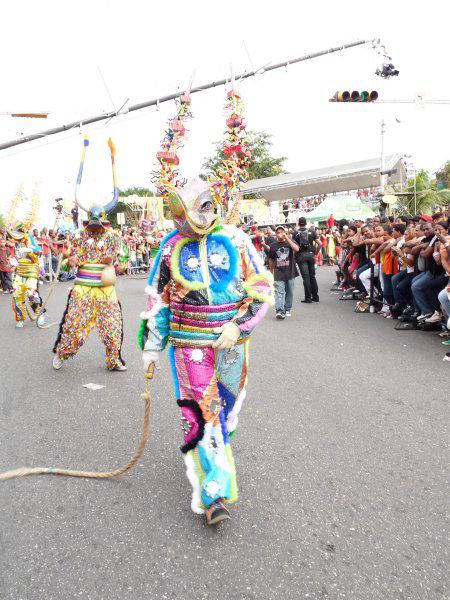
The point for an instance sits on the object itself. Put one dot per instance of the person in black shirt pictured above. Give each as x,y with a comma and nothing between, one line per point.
309,245
284,270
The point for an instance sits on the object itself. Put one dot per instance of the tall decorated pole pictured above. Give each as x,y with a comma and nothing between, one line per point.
166,177
233,171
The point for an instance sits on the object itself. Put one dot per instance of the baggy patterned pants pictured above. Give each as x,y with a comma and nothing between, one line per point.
210,388
84,310
24,287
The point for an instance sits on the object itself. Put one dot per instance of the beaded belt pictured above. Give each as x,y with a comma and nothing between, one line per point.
204,308
90,274
193,343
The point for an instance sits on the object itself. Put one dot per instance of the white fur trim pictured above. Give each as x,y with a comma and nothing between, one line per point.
151,291
233,414
153,294
149,356
196,502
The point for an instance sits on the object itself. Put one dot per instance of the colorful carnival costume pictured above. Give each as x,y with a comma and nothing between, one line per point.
93,299
26,279
211,290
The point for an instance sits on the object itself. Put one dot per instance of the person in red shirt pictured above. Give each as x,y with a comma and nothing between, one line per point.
44,243
5,266
331,221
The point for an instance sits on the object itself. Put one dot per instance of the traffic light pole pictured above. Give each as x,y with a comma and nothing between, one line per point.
157,101
382,161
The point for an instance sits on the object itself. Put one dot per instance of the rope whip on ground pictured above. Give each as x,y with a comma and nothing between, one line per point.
24,471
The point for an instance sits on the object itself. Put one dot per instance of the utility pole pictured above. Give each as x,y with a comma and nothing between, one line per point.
382,160
200,88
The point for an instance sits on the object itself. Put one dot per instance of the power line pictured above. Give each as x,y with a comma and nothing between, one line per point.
157,101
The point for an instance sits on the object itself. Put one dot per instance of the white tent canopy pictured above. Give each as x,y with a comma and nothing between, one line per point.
340,178
341,206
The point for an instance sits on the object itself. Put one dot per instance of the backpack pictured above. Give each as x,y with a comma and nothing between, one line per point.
304,241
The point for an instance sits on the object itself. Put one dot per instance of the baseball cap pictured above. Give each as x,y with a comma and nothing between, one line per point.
280,227
426,218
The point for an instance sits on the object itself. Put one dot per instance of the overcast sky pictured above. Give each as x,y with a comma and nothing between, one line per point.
52,52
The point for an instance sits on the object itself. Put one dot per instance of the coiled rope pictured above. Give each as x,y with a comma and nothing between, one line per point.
25,471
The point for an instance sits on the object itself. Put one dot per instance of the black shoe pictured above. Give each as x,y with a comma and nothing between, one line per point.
405,318
316,299
217,512
306,301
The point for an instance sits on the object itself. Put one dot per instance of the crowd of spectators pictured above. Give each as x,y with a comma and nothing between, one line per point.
137,251
398,268
306,204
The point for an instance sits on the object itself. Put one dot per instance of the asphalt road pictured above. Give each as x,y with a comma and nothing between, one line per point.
341,457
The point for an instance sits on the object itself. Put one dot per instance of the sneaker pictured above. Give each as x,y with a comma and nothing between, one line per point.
287,313
118,367
447,357
423,317
57,362
40,320
279,315
435,318
446,342
216,512
19,324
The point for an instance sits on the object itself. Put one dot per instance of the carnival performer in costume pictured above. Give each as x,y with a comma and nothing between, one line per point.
93,299
26,280
211,289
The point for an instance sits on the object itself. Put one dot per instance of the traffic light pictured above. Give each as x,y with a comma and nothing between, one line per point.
354,96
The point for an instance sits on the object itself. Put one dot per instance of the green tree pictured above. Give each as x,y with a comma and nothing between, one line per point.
427,196
443,177
262,164
136,191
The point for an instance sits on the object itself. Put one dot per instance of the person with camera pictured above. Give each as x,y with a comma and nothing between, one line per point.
308,246
284,269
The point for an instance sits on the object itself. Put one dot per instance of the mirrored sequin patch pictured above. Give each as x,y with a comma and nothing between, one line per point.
212,488
231,355
197,355
192,263
216,259
186,426
215,405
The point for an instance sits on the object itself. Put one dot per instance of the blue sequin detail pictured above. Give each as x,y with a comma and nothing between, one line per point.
190,250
